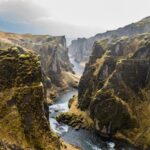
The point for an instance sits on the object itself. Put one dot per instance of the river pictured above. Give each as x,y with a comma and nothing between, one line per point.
83,139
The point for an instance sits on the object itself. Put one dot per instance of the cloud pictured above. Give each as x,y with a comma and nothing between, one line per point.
74,18
23,11
35,16
57,27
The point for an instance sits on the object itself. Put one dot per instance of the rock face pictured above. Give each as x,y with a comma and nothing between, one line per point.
115,88
23,111
54,56
75,117
53,52
81,48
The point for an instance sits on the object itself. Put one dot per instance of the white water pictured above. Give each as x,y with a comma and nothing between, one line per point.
82,138
61,105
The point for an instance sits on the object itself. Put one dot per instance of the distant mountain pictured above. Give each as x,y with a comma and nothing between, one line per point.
81,48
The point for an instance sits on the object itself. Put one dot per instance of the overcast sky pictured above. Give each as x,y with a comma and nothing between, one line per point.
73,18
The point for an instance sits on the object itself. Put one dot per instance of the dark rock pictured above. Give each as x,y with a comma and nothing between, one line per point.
24,114
115,87
71,119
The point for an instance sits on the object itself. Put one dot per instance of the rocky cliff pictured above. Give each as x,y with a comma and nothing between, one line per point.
81,48
115,87
23,111
56,67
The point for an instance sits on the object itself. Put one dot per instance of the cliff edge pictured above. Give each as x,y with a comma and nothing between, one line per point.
115,88
23,111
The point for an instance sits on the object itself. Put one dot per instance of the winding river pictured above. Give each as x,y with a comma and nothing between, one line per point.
83,139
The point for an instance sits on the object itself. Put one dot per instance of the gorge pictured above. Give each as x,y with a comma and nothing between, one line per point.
84,139
114,88
92,95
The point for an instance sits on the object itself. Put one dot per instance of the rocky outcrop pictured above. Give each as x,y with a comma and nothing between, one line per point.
72,120
23,111
115,88
78,49
54,56
75,117
81,48
56,67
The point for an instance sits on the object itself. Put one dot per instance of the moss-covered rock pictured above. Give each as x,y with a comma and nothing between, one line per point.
53,54
75,117
115,88
71,119
23,121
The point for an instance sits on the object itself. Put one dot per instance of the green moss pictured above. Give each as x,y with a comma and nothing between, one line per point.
23,120
102,43
117,96
14,49
24,56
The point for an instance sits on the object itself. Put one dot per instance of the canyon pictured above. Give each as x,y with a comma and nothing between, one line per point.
49,101
113,92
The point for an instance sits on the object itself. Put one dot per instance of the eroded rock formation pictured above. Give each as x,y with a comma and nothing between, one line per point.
115,88
23,111
56,67
81,48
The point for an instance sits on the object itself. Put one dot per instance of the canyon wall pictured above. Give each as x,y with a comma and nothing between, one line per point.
53,52
115,88
34,69
23,109
81,48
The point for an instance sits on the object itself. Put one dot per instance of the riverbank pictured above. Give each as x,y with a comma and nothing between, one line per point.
82,138
75,117
71,81
67,146
86,140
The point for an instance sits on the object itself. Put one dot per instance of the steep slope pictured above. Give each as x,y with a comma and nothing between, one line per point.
81,48
115,86
53,52
23,111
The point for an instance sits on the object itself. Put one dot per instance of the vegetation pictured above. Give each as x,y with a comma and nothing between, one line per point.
114,89
23,122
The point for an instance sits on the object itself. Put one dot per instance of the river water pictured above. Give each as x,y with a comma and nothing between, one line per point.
83,139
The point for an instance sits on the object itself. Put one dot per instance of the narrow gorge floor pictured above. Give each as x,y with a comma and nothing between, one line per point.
83,139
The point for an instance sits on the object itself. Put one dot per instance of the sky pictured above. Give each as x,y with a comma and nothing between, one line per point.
72,18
